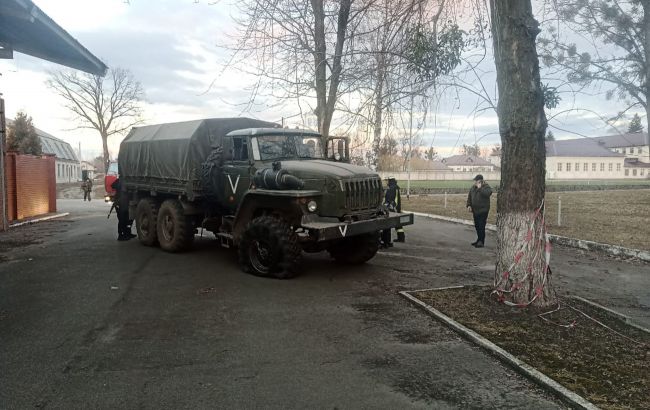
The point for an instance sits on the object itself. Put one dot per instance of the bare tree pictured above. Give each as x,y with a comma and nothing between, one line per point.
298,50
474,150
611,48
522,276
110,105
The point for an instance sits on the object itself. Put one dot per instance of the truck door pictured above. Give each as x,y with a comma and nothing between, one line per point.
236,170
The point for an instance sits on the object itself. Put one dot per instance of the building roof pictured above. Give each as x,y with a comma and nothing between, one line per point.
53,145
580,147
623,140
426,165
27,29
635,163
466,160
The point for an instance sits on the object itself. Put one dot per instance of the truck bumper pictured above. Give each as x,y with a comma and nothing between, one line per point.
326,230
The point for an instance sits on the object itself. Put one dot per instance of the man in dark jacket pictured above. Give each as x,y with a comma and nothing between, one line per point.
121,201
478,203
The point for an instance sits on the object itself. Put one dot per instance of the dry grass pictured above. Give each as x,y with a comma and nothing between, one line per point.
613,217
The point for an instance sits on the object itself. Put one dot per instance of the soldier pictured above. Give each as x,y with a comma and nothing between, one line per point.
87,186
392,201
121,203
478,203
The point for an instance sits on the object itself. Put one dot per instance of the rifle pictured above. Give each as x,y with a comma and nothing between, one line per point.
111,210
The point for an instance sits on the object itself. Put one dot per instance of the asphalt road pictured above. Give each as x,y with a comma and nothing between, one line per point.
90,322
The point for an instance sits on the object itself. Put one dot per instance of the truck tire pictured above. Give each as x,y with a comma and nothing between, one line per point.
146,215
175,230
269,247
355,250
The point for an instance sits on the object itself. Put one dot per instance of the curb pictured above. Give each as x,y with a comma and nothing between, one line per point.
33,221
628,320
614,250
571,398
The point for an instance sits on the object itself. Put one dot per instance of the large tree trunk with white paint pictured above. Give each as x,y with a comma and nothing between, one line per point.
522,276
646,50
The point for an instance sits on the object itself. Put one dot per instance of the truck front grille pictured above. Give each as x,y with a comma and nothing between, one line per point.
363,193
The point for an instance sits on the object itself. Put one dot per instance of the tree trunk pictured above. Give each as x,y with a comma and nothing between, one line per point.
107,157
320,63
378,115
522,276
646,49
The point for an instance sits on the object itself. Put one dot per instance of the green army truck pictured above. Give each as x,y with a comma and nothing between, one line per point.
271,192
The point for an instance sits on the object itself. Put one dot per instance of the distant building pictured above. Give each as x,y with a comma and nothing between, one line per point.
582,158
89,168
467,163
609,157
68,168
634,145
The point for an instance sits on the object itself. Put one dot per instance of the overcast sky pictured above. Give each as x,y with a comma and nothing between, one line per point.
171,48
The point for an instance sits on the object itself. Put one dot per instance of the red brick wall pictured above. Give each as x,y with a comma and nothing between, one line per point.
31,185
10,174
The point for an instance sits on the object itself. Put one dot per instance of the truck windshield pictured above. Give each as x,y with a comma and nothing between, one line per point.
273,147
112,169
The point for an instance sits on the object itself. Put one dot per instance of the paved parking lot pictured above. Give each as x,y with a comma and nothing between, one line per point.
87,321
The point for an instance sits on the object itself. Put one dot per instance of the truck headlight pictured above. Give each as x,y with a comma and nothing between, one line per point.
312,206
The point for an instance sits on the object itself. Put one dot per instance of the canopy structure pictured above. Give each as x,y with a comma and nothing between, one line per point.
24,28
175,151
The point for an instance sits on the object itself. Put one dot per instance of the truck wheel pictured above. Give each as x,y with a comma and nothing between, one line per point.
146,215
175,230
356,250
269,247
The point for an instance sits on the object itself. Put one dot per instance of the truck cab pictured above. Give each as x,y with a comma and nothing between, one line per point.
109,178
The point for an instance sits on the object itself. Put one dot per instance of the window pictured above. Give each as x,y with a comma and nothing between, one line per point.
585,167
568,166
631,150
610,167
559,166
627,172
638,150
577,166
240,149
634,172
593,167
618,167
642,171
602,167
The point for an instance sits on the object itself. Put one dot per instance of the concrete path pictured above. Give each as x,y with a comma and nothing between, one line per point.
87,321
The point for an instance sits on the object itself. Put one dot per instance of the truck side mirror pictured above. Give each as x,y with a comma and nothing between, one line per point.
338,149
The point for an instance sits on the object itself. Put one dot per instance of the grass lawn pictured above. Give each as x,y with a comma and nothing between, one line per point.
615,217
468,184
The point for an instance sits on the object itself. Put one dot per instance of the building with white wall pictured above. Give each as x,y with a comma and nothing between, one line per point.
583,158
633,146
68,168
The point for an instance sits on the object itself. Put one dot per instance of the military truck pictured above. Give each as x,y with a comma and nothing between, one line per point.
271,192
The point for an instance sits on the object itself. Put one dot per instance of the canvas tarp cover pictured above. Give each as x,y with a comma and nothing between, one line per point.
175,151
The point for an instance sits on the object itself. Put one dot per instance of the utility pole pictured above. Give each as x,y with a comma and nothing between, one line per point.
80,166
3,186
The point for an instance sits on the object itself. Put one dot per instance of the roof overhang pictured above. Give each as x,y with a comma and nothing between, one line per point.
26,29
